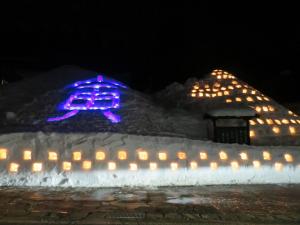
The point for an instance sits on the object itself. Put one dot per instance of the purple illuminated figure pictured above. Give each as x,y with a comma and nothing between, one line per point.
99,93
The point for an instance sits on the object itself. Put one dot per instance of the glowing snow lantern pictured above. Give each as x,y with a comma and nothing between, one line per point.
153,166
193,165
285,121
95,94
122,155
277,122
252,133
100,155
276,130
181,155
234,165
27,155
14,167
143,155
112,166
266,156
37,167
66,166
203,155
265,109
269,121
52,156
3,153
292,130
76,156
258,109
278,166
226,93
86,165
133,166
174,166
244,91
223,155
213,165
256,164
249,99
162,156
260,121
252,122
288,157
271,108
238,99
244,156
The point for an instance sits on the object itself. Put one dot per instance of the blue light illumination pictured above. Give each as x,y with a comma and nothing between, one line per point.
100,93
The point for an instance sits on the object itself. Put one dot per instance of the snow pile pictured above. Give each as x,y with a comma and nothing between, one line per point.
275,124
36,99
175,170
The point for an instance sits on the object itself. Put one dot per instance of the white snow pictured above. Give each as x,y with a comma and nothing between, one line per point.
154,125
229,112
64,144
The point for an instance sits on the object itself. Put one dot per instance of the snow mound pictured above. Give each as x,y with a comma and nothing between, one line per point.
36,100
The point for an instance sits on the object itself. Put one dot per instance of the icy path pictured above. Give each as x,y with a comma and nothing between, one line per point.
234,204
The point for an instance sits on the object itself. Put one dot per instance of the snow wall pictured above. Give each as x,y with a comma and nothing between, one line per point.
186,162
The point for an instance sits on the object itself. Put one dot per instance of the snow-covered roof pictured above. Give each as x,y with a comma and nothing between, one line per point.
232,112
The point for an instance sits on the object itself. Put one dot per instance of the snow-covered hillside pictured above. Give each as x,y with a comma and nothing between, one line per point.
26,105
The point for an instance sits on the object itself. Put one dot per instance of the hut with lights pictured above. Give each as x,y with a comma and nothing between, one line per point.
222,95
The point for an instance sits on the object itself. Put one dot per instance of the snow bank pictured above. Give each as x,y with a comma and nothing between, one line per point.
183,165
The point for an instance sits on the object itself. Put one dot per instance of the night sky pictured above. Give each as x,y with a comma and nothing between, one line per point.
152,45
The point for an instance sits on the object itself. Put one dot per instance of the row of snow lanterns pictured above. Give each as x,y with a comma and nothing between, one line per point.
217,90
143,156
275,130
270,121
292,130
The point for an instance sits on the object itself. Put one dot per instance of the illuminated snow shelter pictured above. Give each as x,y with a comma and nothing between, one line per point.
223,92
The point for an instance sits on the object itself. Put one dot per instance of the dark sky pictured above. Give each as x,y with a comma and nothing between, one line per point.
157,44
